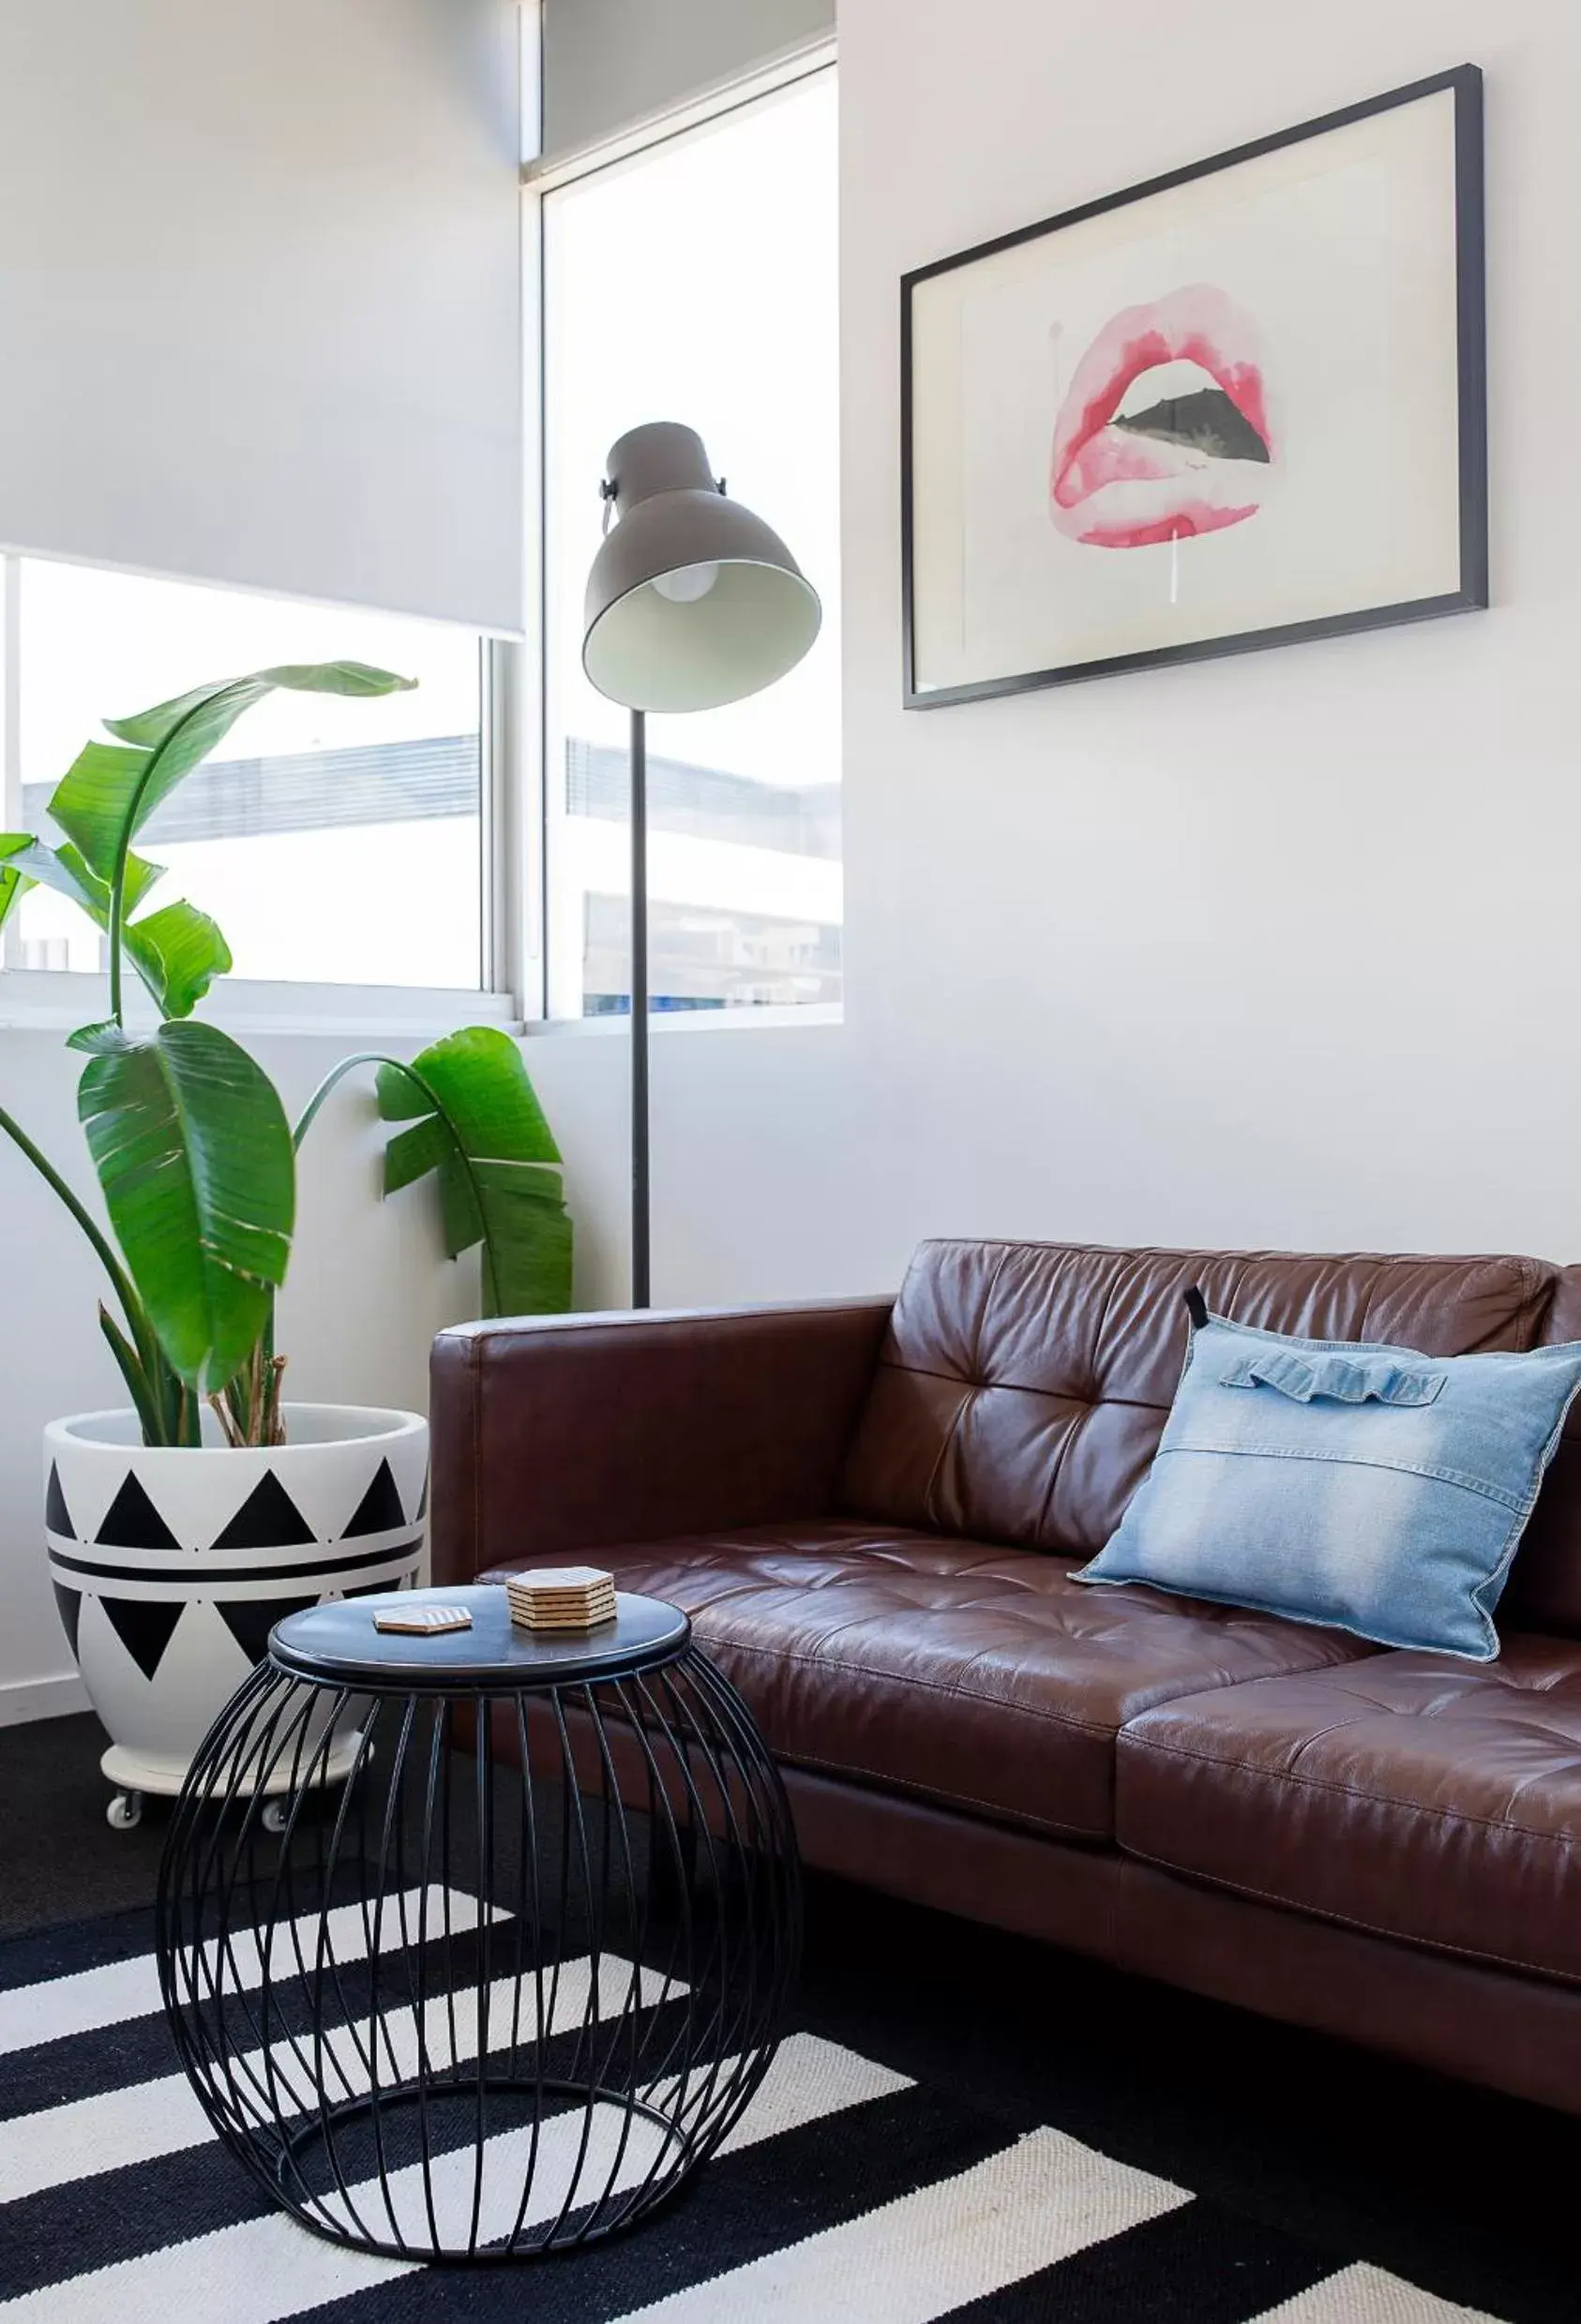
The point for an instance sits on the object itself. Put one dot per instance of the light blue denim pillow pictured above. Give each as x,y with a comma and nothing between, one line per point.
1362,1487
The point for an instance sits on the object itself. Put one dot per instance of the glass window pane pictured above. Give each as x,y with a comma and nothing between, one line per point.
699,282
334,841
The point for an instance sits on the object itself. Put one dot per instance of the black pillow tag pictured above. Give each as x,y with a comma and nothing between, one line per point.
1196,1307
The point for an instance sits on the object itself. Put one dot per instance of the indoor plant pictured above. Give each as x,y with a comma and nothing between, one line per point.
179,1529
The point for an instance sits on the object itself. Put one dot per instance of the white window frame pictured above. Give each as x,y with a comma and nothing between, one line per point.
541,176
59,1000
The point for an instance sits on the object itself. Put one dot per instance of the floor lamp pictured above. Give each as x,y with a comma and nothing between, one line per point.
692,603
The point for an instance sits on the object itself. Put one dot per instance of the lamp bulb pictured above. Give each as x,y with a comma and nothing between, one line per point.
684,586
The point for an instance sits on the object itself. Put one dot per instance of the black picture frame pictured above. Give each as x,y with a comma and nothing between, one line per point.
1466,83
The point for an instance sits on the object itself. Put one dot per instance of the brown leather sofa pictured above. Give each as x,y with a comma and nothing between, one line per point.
872,1511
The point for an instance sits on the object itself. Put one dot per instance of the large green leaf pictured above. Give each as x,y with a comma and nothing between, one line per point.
477,1124
194,1155
178,951
14,882
63,870
91,801
112,789
207,712
28,864
72,876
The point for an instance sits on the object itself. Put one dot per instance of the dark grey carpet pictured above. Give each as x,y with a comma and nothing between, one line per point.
61,1860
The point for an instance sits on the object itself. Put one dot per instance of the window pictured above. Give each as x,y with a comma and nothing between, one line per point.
334,841
697,281
352,843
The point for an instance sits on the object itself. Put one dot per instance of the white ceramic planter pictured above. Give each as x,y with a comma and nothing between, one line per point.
169,1567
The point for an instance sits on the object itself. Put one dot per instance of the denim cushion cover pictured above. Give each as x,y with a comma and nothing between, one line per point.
1362,1487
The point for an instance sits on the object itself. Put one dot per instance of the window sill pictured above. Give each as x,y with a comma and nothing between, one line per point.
662,1023
59,1001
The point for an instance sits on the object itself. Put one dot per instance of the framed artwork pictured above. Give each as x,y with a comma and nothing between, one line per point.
1238,406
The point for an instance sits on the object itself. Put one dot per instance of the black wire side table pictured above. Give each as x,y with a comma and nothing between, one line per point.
520,1977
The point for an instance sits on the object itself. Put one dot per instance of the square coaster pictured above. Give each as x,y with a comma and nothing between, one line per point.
423,1621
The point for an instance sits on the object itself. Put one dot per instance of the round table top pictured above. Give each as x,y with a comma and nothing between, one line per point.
336,1645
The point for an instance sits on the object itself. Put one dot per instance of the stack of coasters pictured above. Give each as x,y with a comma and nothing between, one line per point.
562,1597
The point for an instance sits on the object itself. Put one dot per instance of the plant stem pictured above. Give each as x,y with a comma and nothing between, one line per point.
128,1299
117,898
143,1390
271,1369
337,1074
169,1397
274,1427
235,1436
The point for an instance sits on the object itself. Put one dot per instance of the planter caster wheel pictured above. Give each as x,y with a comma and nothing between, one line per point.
124,1811
275,1815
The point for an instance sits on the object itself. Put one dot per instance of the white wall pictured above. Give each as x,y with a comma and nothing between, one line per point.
763,1160
1280,949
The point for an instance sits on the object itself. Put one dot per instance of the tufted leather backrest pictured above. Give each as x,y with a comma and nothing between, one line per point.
1022,1388
1545,1586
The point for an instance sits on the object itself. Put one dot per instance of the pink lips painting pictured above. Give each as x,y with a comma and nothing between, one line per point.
1127,472
1238,406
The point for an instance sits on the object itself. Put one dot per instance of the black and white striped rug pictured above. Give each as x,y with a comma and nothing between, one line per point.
849,2194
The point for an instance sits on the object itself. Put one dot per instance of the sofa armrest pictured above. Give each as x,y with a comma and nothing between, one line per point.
555,1436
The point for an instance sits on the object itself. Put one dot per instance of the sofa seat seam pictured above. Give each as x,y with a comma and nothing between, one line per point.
1347,1791
1020,1387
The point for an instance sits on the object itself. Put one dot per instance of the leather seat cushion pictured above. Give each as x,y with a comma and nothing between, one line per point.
1410,1794
984,1678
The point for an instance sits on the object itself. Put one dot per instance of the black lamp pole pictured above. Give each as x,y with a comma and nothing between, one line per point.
642,1232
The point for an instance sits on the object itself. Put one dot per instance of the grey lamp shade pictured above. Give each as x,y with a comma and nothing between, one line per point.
692,602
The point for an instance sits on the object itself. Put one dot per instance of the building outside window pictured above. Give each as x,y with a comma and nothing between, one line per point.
335,841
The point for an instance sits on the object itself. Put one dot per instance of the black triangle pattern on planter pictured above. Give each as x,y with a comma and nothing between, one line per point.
68,1605
132,1523
422,1501
268,1519
249,1620
145,1626
379,1509
57,1517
